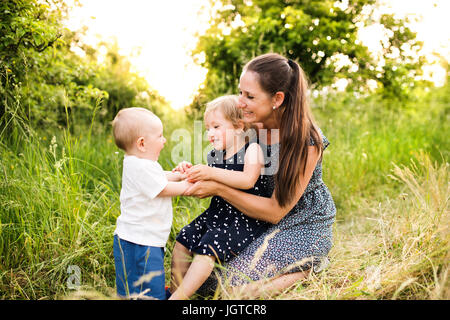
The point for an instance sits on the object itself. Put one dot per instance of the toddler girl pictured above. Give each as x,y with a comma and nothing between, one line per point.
222,231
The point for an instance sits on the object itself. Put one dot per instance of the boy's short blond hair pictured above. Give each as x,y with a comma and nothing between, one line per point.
129,124
228,105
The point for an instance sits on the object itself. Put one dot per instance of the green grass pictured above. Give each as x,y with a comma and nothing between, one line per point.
369,135
394,249
387,169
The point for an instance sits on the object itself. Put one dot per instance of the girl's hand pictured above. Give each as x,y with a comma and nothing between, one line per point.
182,167
199,172
203,189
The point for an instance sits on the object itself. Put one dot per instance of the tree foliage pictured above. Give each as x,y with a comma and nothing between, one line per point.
44,83
322,35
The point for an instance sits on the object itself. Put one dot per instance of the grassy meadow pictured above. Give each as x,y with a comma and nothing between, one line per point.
387,168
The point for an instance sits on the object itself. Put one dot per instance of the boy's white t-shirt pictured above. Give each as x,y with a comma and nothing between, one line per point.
144,219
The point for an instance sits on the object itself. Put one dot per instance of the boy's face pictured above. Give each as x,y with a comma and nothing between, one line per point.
152,141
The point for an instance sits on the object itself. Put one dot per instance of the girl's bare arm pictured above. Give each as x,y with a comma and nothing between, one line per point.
246,179
266,209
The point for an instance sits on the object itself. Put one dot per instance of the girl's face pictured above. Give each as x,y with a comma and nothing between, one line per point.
221,131
254,101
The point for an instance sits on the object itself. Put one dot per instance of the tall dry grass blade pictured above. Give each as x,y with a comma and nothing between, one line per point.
259,253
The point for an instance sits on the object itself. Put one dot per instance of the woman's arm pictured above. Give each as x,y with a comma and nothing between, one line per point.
246,179
261,208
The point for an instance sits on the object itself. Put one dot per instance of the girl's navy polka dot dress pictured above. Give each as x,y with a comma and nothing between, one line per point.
223,231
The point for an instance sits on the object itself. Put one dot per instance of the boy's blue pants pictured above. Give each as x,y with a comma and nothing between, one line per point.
132,261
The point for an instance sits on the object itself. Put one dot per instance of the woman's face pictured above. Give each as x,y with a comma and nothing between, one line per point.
256,104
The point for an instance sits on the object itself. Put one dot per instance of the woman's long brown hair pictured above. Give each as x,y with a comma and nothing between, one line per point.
276,73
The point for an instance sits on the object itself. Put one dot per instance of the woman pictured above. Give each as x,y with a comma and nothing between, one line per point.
273,96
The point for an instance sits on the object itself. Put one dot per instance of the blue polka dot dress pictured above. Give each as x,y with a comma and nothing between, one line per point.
223,231
301,240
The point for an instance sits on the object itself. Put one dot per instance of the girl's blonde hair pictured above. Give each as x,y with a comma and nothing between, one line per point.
228,105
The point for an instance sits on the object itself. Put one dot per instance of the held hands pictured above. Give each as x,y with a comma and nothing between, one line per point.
175,176
199,172
203,189
194,173
198,178
182,167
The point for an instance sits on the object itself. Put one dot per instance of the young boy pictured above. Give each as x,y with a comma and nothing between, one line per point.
145,220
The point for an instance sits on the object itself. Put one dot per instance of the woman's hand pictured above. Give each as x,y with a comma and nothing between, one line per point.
203,189
199,172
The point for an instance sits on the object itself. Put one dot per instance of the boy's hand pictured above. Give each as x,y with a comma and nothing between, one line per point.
175,176
182,167
199,172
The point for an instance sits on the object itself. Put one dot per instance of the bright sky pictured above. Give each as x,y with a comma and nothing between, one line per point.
163,31
433,30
